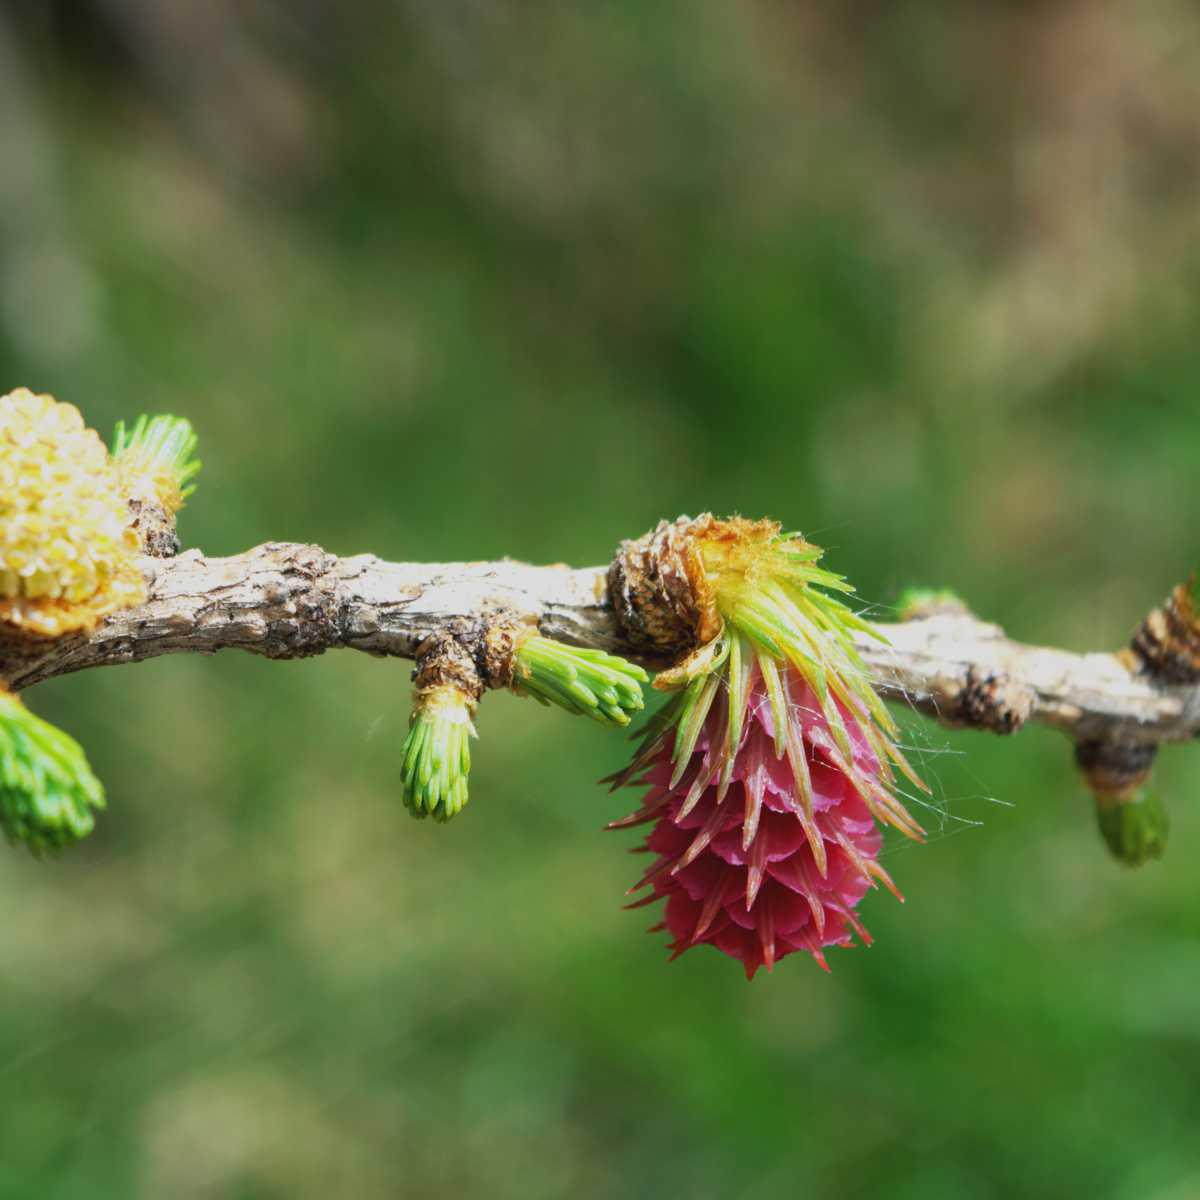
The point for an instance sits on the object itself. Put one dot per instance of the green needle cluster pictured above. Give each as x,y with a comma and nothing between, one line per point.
437,754
588,682
162,444
1136,830
47,789
786,618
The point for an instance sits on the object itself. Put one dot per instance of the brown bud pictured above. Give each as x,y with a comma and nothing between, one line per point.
659,592
446,659
501,640
995,701
154,526
471,655
1114,770
1168,640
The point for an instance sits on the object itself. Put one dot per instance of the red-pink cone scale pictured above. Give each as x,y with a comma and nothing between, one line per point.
769,773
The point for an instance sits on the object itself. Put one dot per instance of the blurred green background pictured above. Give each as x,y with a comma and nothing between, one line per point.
464,279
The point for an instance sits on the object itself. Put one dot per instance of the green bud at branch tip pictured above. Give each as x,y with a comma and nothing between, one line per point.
917,603
159,451
436,756
1134,830
47,790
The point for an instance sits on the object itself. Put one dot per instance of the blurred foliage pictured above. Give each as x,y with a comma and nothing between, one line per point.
466,279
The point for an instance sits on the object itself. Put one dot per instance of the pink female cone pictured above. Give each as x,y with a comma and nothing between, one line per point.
771,853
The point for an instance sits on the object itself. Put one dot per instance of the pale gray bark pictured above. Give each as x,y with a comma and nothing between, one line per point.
287,600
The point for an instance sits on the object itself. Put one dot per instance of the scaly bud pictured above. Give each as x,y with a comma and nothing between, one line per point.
1168,641
47,789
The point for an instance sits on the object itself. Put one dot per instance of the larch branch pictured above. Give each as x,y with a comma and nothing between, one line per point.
286,600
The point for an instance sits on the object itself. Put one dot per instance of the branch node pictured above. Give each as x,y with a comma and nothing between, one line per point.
995,701
154,527
445,659
471,655
302,619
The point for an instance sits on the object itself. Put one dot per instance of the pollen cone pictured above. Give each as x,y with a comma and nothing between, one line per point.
67,554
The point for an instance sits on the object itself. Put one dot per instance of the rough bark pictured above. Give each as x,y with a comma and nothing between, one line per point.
286,600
